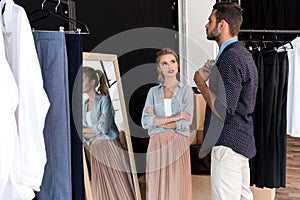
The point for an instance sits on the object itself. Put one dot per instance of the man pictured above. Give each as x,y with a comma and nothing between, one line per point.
231,97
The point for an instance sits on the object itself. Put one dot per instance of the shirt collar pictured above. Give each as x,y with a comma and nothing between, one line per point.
180,84
224,45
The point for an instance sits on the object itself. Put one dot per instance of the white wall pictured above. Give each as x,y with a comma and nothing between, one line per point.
193,15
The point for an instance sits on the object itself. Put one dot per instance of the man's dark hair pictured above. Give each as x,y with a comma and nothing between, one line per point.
232,13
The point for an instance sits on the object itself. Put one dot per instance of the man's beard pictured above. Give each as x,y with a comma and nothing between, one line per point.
213,35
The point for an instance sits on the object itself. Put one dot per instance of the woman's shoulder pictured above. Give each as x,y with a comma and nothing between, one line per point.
155,88
102,97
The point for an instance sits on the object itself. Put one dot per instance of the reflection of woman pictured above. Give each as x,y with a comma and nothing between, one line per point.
167,115
110,172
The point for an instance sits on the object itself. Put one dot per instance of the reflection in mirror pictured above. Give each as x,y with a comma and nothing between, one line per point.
107,145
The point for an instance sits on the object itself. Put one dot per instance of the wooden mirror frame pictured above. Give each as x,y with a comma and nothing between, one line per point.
89,56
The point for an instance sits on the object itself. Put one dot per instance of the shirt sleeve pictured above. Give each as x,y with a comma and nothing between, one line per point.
148,120
226,102
105,108
188,106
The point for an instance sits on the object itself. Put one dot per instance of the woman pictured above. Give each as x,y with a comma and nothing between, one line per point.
167,115
110,172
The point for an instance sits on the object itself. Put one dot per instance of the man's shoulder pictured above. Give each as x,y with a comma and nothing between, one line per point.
238,47
237,50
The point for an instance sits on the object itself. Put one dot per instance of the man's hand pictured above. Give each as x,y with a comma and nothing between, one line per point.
203,73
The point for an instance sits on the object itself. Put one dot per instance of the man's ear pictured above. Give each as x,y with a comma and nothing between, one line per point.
222,24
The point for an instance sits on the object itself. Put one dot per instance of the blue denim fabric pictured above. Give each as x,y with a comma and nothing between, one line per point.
51,50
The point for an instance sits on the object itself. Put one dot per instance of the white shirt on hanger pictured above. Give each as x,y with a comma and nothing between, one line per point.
33,105
8,105
293,93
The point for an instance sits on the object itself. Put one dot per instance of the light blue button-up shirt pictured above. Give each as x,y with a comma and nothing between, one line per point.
182,100
224,45
104,128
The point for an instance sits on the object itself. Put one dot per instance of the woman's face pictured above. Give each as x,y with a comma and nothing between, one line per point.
87,84
168,65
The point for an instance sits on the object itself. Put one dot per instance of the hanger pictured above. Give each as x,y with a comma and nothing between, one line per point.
2,12
250,44
77,25
56,7
43,3
276,43
285,47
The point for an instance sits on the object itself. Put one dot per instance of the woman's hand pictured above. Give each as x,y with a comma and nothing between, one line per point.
88,135
183,115
149,110
101,117
88,132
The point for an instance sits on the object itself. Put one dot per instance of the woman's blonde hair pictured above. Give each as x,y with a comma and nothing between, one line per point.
100,80
159,54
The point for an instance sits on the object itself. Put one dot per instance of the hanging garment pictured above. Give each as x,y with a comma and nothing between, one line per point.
51,50
33,104
268,166
269,14
8,104
74,51
293,96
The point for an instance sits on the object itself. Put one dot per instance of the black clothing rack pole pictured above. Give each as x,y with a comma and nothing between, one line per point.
268,31
236,1
285,35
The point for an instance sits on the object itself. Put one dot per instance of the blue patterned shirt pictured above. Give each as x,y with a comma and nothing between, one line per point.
234,82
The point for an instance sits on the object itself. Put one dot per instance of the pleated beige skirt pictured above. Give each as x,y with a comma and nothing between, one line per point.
168,175
110,171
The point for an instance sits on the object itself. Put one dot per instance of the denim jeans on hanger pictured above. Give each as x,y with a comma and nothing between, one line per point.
51,50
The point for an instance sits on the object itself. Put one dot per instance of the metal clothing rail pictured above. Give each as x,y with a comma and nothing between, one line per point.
236,1
267,31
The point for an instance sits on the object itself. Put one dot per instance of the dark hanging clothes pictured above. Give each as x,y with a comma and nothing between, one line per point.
74,52
271,14
268,167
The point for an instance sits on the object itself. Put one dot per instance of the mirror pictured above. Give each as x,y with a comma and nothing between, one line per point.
108,65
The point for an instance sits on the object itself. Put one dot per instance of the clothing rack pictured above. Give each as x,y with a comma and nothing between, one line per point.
268,35
268,31
67,13
237,1
62,29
